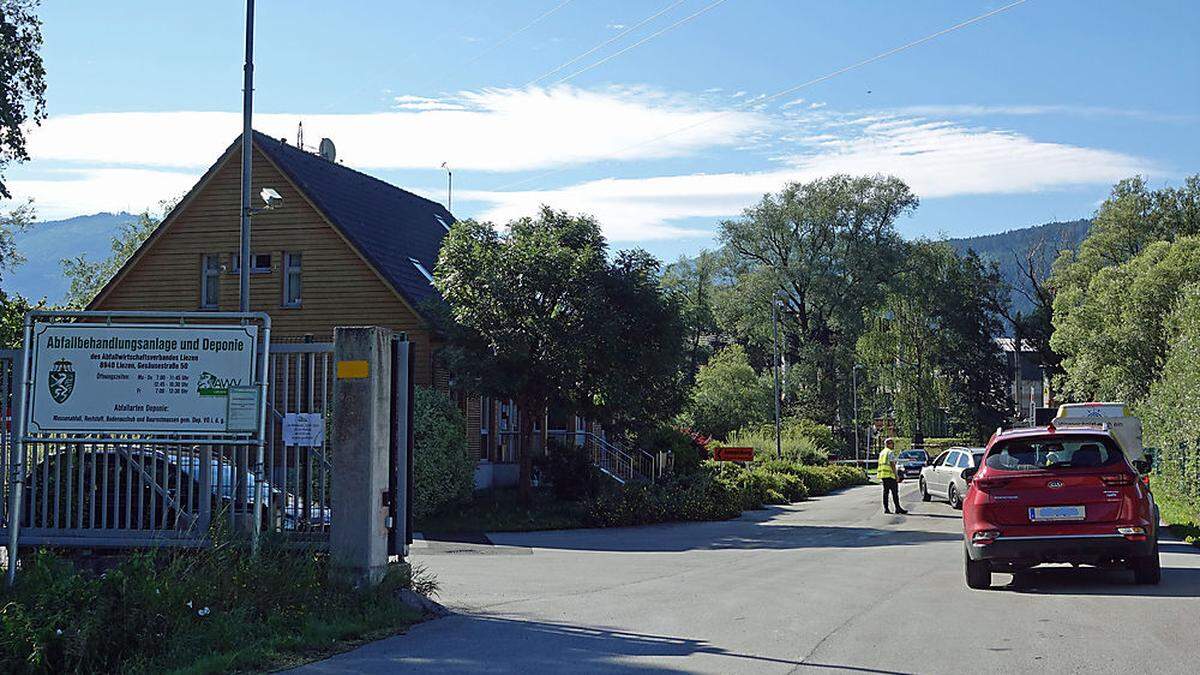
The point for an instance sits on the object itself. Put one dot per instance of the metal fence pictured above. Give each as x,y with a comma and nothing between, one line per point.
300,383
127,490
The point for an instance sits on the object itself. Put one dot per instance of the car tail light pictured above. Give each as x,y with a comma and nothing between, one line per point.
1133,533
1116,479
990,483
984,537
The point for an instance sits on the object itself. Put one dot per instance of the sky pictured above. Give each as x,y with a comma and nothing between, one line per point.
661,118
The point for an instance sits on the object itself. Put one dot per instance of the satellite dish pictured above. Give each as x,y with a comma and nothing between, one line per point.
327,150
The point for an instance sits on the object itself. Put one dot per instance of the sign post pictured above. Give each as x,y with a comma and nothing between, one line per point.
733,454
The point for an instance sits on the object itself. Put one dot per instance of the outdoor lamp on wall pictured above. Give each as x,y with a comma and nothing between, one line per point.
271,200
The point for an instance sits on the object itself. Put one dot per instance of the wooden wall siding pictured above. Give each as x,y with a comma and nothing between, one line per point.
338,287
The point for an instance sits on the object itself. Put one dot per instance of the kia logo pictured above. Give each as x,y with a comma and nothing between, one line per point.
1054,484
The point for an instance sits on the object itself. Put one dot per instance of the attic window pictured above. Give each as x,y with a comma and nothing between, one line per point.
421,268
442,222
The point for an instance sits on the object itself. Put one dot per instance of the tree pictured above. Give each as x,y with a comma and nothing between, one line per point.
1110,298
89,277
15,221
826,248
931,342
729,395
634,378
13,307
539,314
694,282
22,78
1114,339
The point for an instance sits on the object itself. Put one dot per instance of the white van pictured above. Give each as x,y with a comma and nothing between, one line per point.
1125,427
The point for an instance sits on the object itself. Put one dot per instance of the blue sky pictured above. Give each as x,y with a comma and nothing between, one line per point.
1025,117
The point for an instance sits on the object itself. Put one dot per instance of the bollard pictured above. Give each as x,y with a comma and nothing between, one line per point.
362,393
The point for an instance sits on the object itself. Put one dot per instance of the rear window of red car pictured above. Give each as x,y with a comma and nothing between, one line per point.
1039,453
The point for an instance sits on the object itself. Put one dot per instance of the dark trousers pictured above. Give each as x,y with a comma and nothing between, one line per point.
890,486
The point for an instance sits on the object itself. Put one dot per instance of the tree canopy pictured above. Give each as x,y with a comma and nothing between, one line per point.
541,314
22,80
826,248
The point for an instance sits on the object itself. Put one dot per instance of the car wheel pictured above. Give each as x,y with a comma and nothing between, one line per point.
924,491
952,496
1147,570
979,572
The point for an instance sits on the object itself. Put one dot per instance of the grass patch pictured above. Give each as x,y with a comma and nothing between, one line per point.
1183,521
502,511
214,610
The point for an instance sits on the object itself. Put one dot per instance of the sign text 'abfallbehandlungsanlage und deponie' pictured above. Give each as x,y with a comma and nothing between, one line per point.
152,378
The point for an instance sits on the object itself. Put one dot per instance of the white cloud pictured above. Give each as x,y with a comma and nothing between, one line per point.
937,159
488,130
71,193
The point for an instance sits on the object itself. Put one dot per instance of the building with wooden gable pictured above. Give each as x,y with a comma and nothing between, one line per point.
343,248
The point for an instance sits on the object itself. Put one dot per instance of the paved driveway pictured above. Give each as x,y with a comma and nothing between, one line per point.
833,584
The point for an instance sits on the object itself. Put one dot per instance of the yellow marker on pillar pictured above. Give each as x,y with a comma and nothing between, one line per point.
353,370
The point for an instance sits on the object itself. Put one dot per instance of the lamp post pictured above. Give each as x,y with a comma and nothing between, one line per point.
854,379
775,302
449,185
247,146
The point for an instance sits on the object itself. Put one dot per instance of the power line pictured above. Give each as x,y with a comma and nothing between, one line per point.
641,42
607,42
506,39
791,90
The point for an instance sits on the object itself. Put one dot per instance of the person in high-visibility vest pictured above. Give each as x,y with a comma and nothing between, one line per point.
887,474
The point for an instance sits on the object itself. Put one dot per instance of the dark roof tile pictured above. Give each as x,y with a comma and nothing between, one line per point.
387,225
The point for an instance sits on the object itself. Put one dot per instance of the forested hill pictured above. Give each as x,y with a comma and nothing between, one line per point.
1009,248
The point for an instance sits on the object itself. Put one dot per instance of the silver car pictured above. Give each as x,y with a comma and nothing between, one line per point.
942,477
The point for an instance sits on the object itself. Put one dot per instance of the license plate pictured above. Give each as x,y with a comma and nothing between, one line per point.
1043,513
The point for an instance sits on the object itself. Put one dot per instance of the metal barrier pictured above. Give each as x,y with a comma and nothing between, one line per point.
301,383
127,490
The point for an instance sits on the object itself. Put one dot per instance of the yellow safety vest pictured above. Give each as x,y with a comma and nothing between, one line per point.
885,464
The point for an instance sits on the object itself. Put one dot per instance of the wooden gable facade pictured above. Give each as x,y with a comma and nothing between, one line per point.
338,286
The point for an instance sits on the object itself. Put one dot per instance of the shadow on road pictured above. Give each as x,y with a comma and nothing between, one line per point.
738,534
1177,582
481,643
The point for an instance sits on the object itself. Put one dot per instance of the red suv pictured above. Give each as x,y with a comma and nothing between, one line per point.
1066,495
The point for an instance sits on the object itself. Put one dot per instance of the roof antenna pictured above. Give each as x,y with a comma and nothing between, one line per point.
300,135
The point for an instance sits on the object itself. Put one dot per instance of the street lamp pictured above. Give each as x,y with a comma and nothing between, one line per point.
449,184
776,302
247,146
854,378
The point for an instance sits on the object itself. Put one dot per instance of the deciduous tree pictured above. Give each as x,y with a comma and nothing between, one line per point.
22,80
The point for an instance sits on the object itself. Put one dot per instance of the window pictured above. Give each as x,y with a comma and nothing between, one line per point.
952,460
1034,454
291,279
210,281
421,268
941,459
260,263
963,460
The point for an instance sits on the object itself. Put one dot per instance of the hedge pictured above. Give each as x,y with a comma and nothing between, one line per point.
443,470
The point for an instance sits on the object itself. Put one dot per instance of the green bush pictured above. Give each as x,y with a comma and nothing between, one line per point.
443,470
687,454
799,440
216,609
702,495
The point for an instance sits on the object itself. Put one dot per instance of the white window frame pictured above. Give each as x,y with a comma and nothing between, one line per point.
210,270
235,263
288,271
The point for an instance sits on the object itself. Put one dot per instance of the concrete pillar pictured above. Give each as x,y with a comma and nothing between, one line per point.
362,394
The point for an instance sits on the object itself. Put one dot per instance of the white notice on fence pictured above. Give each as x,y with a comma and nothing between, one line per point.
158,379
303,429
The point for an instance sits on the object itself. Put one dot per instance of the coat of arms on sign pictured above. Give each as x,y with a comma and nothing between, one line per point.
62,381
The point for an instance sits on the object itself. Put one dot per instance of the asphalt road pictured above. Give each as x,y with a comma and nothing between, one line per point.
829,585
